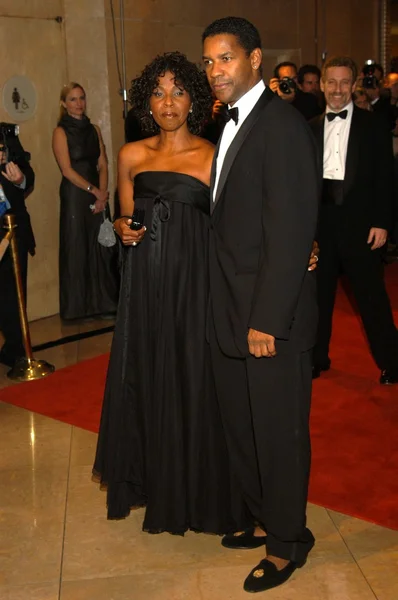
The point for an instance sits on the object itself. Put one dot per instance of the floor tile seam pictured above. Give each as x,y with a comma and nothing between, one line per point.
191,567
354,558
44,468
11,586
65,516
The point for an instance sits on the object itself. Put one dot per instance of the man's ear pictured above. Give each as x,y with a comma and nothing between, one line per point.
256,57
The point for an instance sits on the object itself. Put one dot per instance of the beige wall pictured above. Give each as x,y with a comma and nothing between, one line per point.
82,48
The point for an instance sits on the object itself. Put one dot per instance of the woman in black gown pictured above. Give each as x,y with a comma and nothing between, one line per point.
161,442
87,273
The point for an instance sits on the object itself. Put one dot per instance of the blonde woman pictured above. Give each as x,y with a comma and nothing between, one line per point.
88,284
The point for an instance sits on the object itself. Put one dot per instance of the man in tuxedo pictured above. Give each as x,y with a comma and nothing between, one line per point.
262,321
17,181
355,216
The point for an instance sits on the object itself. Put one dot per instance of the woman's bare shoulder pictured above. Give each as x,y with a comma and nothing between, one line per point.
205,145
139,148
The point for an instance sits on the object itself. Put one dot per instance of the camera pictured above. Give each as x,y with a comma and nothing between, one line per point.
10,144
369,80
287,85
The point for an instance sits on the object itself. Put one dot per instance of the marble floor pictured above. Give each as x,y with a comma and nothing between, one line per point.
55,542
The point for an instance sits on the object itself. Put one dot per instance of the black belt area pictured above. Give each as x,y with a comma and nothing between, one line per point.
333,192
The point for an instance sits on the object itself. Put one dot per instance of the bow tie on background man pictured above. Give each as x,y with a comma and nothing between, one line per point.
232,113
332,115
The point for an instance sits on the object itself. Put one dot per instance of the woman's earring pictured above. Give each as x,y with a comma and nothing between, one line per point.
150,112
191,109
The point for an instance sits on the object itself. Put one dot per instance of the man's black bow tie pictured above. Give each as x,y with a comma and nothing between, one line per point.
232,113
331,115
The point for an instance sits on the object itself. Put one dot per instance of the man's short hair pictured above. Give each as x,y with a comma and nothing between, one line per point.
305,70
286,63
340,61
248,36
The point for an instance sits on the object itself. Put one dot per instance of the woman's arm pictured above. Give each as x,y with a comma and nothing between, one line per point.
61,153
126,163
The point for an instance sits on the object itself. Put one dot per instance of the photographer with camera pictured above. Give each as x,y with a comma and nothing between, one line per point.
372,81
16,182
284,83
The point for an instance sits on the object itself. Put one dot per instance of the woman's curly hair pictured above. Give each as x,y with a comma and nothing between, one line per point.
187,75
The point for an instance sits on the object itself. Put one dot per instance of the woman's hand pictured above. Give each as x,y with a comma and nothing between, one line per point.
128,236
98,207
101,195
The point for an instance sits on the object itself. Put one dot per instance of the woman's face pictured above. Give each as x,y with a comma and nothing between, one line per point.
75,103
169,103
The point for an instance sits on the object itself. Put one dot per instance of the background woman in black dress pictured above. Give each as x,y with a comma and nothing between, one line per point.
88,282
161,441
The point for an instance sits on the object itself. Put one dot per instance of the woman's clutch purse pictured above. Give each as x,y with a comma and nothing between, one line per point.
106,234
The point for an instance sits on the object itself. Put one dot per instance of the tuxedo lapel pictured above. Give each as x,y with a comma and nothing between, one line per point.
352,158
213,172
234,148
320,141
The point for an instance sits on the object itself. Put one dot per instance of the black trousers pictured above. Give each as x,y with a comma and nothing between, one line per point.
265,405
10,325
365,273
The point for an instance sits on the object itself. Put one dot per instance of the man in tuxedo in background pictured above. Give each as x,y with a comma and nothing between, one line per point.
355,216
17,180
262,321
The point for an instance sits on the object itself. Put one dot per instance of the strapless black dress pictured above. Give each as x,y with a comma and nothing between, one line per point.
161,442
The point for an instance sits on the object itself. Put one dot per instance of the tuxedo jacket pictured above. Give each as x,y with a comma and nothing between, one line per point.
16,197
262,227
368,182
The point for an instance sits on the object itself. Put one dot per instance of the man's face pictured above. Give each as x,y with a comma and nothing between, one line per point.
310,84
230,72
338,87
288,72
362,101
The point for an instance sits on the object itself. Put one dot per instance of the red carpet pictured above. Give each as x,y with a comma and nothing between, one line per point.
354,420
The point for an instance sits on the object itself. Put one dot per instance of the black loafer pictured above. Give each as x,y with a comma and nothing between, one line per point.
389,377
243,540
266,576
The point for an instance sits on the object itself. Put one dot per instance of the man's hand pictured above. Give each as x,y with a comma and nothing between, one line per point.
13,173
274,84
378,237
128,236
314,256
261,344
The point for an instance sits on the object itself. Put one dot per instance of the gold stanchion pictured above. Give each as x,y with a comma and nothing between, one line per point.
26,368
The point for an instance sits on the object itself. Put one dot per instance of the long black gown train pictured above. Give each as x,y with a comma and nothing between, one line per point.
88,283
161,442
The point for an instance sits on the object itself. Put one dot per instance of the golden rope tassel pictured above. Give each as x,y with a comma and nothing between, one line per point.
26,368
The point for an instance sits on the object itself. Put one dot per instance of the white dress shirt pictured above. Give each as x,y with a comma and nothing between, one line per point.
335,144
245,105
